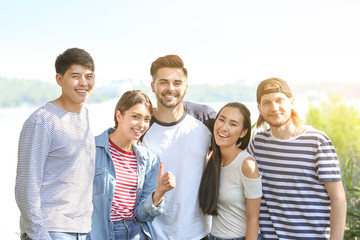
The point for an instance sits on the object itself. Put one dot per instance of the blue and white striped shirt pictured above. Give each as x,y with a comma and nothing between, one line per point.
56,164
295,203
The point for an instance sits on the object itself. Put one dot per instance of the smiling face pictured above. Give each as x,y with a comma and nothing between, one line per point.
228,127
276,108
169,86
134,122
77,84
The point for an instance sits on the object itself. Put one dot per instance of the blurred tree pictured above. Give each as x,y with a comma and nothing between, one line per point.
340,122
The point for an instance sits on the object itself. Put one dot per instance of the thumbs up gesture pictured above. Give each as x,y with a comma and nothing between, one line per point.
166,182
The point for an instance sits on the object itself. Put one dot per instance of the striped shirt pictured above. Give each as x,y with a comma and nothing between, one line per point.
295,203
55,172
123,202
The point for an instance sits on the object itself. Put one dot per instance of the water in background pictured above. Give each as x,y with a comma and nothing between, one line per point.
11,121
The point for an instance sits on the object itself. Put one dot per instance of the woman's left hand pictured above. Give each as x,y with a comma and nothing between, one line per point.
166,182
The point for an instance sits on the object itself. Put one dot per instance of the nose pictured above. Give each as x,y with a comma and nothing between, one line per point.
142,123
274,106
82,80
171,86
224,127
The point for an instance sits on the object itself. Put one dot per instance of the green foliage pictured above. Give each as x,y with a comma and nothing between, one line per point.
340,122
353,200
101,94
17,92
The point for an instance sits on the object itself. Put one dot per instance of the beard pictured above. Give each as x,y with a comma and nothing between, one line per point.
279,122
171,104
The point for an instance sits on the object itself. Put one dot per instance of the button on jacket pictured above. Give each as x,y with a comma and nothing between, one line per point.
104,188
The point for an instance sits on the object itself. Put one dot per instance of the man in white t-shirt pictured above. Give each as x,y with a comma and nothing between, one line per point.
179,135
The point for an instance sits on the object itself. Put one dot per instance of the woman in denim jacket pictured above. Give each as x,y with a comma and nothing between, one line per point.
129,184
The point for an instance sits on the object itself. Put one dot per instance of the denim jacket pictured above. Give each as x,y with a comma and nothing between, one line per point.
104,187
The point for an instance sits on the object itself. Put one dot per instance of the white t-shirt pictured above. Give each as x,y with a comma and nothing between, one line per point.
182,146
235,188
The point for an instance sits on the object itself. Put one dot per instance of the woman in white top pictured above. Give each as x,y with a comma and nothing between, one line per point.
230,188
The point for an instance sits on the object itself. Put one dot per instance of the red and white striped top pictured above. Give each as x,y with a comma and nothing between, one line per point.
123,203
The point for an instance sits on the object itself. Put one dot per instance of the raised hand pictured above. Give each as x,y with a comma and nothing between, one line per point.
166,182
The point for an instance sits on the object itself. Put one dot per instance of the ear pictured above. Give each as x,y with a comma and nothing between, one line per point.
186,87
153,86
292,102
259,108
243,133
118,115
59,79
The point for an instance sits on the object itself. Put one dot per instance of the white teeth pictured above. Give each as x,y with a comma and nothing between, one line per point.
138,131
222,135
170,96
81,91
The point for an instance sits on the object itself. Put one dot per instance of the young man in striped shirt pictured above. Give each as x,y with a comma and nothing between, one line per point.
303,196
56,157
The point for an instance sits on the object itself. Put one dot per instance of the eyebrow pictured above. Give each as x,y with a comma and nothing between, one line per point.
175,80
270,100
138,113
76,73
230,120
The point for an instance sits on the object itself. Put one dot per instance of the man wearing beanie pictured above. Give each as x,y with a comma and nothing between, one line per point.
303,196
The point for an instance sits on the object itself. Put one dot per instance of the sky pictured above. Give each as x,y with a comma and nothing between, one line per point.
220,41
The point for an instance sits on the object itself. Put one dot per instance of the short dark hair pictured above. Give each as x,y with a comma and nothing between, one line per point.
130,99
73,56
170,61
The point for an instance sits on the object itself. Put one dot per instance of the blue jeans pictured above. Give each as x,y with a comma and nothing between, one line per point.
128,230
60,236
240,238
